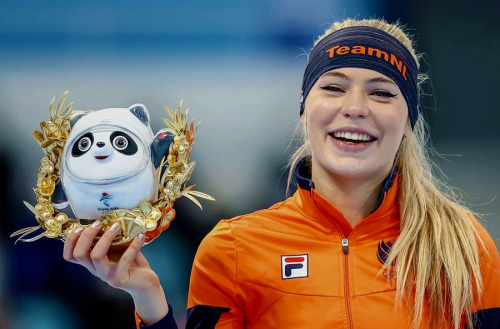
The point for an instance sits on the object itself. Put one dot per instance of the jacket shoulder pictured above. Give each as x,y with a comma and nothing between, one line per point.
263,217
223,237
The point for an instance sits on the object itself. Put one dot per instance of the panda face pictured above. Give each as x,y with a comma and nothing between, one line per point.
106,153
119,140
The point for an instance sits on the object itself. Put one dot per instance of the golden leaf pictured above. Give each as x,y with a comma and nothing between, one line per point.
38,136
30,207
201,195
196,202
39,236
67,111
61,102
52,111
24,231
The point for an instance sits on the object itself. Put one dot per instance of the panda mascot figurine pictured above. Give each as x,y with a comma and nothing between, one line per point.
110,161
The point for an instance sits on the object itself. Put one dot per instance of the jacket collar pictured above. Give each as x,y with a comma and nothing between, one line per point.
317,207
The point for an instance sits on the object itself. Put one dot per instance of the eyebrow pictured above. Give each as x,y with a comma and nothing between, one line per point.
338,75
348,78
382,79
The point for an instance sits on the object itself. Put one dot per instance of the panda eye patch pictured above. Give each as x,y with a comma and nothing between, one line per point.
120,143
82,145
123,143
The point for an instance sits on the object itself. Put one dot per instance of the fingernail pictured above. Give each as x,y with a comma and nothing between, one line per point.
77,230
96,224
114,227
140,237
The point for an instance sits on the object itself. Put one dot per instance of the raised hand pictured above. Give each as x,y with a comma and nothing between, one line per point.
127,269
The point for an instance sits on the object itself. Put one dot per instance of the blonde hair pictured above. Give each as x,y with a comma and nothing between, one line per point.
437,250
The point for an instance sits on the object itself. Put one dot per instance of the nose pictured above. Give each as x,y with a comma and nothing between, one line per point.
100,144
355,105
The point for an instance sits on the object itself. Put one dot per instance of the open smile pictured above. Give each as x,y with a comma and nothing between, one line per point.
352,137
101,157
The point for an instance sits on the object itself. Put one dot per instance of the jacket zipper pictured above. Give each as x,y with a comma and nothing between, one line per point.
347,296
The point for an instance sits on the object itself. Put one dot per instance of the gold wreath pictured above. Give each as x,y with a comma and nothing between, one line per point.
148,218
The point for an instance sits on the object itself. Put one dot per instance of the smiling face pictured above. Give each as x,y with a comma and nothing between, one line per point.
355,120
105,154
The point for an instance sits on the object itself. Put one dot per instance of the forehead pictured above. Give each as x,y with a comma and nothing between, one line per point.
105,130
357,74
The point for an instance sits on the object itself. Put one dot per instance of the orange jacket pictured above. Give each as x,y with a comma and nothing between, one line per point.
299,264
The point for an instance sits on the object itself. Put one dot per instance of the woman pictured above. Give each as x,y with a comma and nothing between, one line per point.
367,240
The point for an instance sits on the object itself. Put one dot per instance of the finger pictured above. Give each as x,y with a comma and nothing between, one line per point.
82,249
99,254
70,243
128,257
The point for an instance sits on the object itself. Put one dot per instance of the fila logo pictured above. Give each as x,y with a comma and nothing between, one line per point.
294,267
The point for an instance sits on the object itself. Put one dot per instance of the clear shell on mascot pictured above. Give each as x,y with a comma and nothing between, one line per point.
108,165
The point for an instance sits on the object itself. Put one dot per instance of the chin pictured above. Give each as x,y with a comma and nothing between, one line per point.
350,173
353,168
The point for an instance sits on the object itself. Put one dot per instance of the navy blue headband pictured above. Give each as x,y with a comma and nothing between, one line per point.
369,48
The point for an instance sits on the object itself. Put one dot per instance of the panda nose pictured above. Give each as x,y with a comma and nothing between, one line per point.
100,144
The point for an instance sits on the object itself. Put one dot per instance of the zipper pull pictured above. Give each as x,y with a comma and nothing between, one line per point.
345,245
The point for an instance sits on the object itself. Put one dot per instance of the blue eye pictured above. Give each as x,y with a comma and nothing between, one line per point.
333,89
381,93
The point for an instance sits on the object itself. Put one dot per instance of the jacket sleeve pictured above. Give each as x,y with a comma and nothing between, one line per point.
212,300
487,306
167,322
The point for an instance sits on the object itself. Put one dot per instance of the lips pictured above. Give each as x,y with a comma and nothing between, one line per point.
351,140
352,136
101,157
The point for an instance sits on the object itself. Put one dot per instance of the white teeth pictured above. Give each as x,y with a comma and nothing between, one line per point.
352,136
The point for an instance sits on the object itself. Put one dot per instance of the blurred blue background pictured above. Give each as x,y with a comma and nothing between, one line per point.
238,66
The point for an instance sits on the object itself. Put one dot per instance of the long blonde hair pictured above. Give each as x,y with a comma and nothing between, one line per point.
437,251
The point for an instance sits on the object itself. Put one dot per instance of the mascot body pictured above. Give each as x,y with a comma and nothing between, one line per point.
110,161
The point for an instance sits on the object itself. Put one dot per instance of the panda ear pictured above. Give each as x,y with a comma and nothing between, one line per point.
141,112
160,145
76,116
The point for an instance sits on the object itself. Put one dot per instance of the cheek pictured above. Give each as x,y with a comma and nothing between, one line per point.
391,120
393,127
322,111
